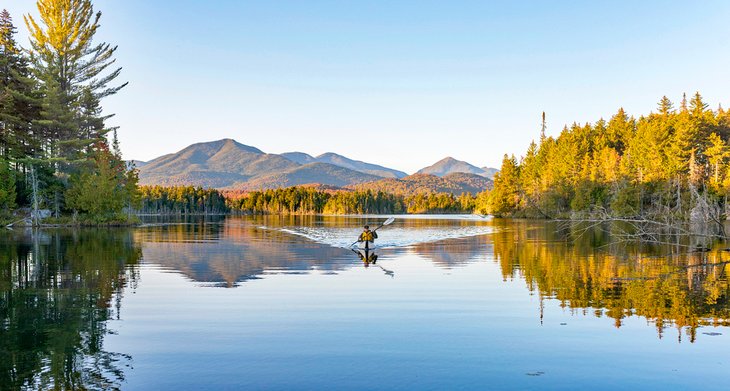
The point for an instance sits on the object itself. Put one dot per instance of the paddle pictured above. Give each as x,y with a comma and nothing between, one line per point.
386,222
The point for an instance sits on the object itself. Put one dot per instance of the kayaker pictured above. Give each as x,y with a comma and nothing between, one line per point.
367,236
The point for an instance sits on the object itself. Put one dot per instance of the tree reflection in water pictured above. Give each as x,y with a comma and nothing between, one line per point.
57,290
586,270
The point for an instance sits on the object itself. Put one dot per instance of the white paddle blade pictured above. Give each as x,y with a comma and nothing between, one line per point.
390,220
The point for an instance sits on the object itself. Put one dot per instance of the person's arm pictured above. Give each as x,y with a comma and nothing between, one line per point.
359,238
375,235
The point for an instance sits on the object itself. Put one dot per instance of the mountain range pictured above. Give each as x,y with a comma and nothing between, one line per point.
228,164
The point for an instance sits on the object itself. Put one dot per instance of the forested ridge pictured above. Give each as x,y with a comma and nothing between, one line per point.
672,162
56,151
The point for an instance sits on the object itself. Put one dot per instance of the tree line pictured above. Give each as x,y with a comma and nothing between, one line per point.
181,200
56,150
305,200
672,162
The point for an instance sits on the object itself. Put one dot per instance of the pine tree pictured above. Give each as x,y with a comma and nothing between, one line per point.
504,197
620,129
665,106
18,96
104,188
7,186
716,153
74,74
696,106
543,127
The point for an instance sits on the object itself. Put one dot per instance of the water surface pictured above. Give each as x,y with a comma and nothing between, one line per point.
281,303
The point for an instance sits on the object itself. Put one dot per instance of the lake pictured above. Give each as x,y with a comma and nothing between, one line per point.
281,303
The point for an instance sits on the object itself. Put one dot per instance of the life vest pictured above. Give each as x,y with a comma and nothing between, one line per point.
367,236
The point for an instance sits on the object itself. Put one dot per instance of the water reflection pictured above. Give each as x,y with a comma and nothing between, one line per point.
231,251
586,271
235,251
57,290
453,253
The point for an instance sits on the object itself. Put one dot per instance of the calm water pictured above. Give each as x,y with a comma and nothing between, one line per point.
278,303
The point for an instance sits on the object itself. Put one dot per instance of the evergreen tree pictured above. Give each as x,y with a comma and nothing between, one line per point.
696,106
504,197
7,186
104,188
73,72
665,106
18,96
657,164
716,153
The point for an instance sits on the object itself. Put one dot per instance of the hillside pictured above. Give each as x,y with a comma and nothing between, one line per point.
342,161
455,183
212,164
313,173
450,165
227,164
299,157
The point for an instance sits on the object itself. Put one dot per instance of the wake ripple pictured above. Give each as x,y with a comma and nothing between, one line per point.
389,237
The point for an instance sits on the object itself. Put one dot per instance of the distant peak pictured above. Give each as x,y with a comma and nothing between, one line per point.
231,143
328,154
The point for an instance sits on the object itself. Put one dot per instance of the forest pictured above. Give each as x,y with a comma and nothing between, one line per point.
302,200
57,153
181,200
672,163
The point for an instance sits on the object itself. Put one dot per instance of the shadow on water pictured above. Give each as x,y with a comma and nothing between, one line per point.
57,290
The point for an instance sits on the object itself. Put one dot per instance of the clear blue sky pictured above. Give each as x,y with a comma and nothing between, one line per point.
402,84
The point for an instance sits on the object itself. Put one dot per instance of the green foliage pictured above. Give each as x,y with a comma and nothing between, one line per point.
103,189
51,116
504,197
658,163
7,186
307,200
180,200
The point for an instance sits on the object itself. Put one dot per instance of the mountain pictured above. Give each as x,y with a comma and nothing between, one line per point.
450,165
299,157
342,161
312,173
228,164
490,171
232,165
212,164
454,183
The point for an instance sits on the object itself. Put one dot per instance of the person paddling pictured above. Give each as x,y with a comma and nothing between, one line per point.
367,236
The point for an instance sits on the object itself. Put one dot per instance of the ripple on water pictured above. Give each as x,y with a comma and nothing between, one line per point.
388,237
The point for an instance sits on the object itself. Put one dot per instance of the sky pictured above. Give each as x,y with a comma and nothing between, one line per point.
398,83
